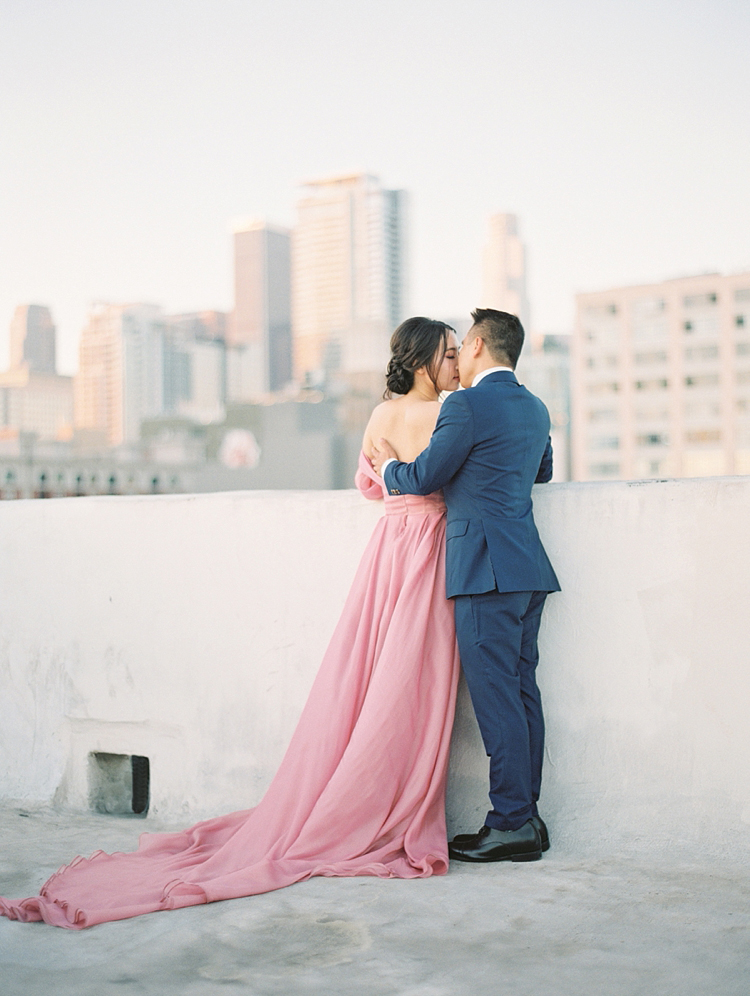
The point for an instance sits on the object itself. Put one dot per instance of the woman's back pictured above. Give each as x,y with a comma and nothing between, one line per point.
407,423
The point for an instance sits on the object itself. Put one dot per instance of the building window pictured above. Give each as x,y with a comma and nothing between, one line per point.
651,414
602,361
701,353
653,439
601,309
605,443
703,408
604,469
743,348
657,384
700,300
702,380
607,387
703,324
656,356
739,320
602,415
703,436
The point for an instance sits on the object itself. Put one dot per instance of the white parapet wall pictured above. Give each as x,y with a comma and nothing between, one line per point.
188,629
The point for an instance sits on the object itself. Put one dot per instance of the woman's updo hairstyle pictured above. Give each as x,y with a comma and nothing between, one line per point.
415,344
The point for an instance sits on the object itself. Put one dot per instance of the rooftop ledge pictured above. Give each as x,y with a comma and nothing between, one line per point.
187,630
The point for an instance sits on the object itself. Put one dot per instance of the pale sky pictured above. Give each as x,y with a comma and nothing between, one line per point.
133,133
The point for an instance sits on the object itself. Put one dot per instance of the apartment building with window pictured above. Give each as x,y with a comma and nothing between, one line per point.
661,380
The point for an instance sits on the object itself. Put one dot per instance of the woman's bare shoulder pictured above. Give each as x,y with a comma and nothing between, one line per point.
383,414
381,420
424,413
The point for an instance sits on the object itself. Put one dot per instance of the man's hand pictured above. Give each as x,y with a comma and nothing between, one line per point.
382,451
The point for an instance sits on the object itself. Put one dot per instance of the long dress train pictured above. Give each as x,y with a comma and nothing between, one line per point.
361,788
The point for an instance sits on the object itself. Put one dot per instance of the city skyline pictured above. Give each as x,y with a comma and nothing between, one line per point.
625,164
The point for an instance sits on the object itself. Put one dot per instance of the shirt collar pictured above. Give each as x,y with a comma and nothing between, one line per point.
487,372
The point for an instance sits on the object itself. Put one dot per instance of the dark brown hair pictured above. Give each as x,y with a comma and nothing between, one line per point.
502,333
415,344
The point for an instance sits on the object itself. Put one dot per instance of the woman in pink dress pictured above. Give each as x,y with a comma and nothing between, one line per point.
361,789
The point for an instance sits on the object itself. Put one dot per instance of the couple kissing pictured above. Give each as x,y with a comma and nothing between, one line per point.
454,566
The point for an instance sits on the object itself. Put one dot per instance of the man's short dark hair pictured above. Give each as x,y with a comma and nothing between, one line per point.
502,333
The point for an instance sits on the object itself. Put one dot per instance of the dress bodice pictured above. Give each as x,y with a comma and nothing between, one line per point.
414,504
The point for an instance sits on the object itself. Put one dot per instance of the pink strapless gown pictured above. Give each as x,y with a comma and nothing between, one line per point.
361,788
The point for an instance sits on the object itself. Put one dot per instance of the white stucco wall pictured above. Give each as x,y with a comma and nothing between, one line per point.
189,628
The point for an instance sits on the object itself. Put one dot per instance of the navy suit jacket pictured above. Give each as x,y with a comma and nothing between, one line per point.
490,445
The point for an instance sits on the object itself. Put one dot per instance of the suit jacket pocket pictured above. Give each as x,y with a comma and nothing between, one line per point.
456,528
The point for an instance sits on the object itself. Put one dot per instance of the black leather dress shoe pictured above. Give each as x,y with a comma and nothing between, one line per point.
541,829
537,821
499,845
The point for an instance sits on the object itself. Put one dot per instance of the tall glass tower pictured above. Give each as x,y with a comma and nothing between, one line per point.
348,277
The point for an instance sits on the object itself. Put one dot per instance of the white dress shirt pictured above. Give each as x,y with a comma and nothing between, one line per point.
490,370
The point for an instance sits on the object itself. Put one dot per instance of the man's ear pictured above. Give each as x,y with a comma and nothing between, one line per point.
477,346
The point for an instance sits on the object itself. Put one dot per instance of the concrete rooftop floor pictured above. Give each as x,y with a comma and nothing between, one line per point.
574,923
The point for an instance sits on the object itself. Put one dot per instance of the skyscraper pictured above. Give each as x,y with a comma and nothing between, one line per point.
32,339
33,397
661,380
348,277
121,374
262,327
504,269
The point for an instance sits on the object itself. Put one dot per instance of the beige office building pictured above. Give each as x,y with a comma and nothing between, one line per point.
41,404
260,333
348,283
120,379
661,380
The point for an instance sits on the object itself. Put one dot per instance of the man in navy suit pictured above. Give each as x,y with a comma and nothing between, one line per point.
490,445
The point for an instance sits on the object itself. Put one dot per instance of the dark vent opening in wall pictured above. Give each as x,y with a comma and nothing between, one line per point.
140,769
119,784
